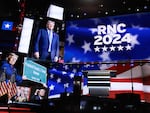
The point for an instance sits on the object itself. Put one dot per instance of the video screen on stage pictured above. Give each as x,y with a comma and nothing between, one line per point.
7,35
38,94
30,94
105,39
23,94
35,38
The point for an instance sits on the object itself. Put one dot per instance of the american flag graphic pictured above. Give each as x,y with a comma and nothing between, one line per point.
117,43
3,88
8,88
130,77
12,89
61,78
108,39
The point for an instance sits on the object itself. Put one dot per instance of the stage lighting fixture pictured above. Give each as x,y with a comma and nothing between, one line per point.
55,12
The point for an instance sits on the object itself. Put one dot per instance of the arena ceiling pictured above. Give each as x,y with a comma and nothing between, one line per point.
74,9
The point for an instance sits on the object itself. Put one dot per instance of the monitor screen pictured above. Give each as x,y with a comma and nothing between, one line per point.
38,94
23,94
105,39
31,30
7,35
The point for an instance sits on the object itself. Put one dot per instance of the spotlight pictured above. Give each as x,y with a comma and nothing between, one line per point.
145,7
137,10
106,13
129,8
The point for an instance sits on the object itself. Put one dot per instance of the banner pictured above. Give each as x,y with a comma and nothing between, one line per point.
34,72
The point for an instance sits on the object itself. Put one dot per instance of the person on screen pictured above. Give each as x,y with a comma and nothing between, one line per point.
10,72
39,95
21,97
46,46
9,77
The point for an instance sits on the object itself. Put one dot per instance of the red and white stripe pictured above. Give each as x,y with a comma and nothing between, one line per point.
3,88
8,88
129,79
12,90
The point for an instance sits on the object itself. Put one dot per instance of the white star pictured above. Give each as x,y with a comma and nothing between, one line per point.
87,65
54,69
7,26
51,76
75,60
97,49
66,67
104,48
112,48
120,48
64,72
134,40
71,75
86,47
66,85
74,70
58,80
51,87
93,30
70,39
128,47
105,56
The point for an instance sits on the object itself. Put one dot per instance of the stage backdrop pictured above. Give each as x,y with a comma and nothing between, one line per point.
113,38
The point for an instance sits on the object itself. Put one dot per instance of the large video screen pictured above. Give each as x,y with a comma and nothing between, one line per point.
31,30
105,39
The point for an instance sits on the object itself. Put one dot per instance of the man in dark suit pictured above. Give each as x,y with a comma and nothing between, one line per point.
47,43
39,95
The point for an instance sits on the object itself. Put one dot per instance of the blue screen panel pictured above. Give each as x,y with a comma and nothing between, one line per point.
105,39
